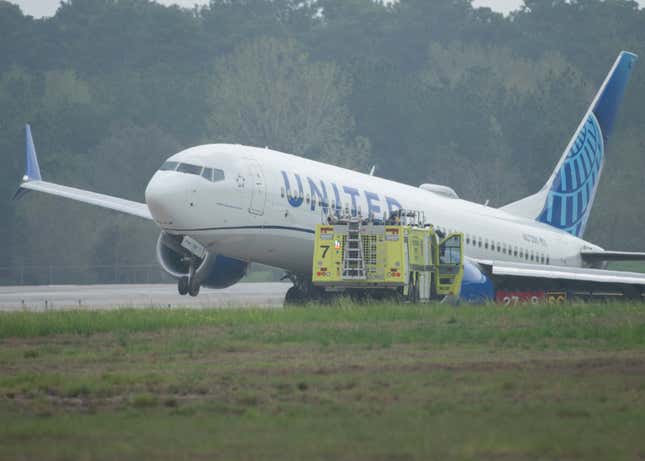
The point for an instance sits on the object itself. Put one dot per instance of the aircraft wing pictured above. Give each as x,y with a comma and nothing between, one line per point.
92,198
557,277
32,181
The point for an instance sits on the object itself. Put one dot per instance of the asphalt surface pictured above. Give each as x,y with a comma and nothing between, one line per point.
39,298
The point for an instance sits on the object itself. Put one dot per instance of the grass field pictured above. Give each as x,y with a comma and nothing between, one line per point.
344,382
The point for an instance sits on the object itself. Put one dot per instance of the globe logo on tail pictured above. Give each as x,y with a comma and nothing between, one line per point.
574,187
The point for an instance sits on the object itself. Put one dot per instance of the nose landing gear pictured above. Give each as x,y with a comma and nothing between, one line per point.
182,286
190,284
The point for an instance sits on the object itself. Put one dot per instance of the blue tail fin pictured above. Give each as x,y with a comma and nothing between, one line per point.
566,199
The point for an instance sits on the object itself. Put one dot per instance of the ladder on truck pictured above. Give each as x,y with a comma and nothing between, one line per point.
353,262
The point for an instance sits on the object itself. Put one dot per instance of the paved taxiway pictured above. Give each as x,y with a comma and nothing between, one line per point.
115,296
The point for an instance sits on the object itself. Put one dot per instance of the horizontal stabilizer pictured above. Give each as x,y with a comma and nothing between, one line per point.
594,256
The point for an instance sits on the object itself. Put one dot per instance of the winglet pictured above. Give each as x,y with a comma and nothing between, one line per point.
32,172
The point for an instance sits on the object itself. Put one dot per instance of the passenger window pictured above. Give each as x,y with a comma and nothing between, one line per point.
307,200
169,166
282,192
218,175
486,244
479,241
499,248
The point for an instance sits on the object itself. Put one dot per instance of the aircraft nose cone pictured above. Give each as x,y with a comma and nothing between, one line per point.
166,198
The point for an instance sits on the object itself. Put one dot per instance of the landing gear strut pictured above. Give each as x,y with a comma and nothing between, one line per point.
189,284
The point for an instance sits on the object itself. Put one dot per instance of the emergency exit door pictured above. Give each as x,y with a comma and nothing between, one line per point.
258,188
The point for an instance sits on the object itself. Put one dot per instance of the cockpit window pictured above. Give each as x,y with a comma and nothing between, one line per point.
210,174
213,174
169,166
207,173
190,169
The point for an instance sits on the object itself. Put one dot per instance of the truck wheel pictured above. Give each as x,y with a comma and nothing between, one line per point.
293,296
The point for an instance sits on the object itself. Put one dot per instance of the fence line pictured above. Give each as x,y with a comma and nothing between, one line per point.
82,274
107,274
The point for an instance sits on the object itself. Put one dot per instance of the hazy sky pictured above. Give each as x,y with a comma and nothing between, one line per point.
39,8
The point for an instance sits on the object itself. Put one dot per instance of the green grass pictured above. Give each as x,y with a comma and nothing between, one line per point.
342,382
619,325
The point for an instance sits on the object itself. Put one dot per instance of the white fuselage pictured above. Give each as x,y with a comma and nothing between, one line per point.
266,208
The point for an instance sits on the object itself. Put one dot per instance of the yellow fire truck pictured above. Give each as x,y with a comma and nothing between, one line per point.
401,256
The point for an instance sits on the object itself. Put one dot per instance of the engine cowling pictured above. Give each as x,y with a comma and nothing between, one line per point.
476,286
214,271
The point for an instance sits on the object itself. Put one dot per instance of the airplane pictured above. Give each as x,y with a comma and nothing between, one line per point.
220,207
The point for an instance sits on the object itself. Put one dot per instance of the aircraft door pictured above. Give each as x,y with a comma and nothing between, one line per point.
258,188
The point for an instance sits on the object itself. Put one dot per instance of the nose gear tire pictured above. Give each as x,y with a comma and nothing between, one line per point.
182,286
193,287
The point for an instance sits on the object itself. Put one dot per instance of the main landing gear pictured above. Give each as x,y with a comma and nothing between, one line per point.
189,284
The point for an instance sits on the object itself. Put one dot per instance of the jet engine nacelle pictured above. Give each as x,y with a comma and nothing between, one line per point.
214,271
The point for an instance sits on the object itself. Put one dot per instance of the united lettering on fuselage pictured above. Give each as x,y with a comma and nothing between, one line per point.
319,196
